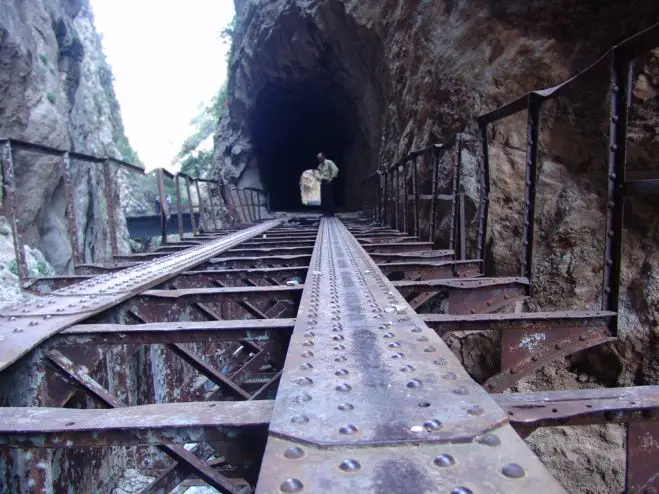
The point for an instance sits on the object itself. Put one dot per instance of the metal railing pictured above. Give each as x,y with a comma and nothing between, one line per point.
227,205
384,204
9,205
396,196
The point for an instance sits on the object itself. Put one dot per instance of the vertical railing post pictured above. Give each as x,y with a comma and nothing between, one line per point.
396,191
202,219
433,192
179,207
415,191
10,206
213,211
385,197
378,212
404,192
462,226
533,129
483,208
109,200
70,209
456,190
164,210
621,87
193,221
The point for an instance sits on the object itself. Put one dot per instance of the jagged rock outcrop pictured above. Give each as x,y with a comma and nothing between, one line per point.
56,89
403,74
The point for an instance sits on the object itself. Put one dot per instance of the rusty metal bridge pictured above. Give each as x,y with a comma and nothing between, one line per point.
304,355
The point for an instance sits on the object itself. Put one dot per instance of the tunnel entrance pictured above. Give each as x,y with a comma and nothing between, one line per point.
290,126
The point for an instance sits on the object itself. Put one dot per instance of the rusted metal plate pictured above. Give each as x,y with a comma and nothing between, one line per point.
174,332
581,406
256,262
364,372
424,270
167,423
643,457
48,284
497,462
20,331
469,296
422,256
199,279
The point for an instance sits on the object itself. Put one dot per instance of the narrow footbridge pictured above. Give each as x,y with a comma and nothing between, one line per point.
309,355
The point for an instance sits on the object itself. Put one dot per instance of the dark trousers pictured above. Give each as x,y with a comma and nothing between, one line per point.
327,197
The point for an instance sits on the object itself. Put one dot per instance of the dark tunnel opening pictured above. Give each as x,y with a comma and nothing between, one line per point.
290,126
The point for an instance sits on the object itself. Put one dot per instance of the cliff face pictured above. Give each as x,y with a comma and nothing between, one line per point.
385,77
56,89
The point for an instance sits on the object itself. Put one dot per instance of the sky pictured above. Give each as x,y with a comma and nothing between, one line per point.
168,60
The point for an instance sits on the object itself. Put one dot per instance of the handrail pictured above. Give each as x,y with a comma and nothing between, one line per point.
643,41
29,146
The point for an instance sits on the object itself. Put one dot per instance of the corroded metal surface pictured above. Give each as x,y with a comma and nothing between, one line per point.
365,375
168,423
29,322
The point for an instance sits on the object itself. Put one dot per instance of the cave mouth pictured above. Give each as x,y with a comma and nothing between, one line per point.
290,125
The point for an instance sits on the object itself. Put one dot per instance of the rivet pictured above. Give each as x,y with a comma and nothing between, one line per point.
461,390
300,419
343,387
415,384
490,440
350,466
291,485
34,323
308,343
475,410
429,349
309,334
348,429
306,366
513,470
341,372
462,490
432,425
395,344
307,354
346,407
407,368
304,381
450,376
338,337
397,355
444,461
389,335
440,361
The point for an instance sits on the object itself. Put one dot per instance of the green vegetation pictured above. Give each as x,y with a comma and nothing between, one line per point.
13,266
41,269
51,97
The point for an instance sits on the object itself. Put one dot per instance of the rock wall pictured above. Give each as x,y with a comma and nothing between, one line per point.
417,72
56,89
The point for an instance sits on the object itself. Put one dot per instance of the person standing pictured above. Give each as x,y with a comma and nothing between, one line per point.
326,172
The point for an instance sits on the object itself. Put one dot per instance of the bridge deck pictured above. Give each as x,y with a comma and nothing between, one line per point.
372,400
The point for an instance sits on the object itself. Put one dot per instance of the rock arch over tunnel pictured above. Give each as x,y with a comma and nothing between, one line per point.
290,125
311,86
